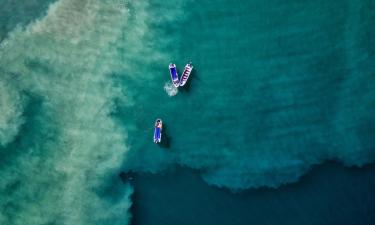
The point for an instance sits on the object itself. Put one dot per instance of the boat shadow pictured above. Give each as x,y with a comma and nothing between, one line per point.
193,77
166,140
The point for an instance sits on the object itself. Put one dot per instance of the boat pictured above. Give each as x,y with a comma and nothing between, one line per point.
157,131
174,74
186,74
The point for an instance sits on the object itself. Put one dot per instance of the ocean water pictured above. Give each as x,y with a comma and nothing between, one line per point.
278,87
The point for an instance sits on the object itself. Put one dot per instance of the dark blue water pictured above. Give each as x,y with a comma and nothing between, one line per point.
329,195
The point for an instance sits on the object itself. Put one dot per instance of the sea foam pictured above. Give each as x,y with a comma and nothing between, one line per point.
170,89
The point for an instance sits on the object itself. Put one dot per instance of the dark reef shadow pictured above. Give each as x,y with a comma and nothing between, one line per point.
165,139
134,206
126,176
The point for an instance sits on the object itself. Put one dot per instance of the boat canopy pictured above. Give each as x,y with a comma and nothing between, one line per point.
174,73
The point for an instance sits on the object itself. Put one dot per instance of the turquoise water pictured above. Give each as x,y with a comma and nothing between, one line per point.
277,87
275,90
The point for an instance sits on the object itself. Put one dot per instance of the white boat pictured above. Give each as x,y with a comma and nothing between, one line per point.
186,74
157,131
174,74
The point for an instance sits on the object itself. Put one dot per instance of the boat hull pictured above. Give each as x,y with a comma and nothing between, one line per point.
186,74
157,131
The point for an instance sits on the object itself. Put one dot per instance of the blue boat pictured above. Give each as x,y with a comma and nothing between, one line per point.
157,131
174,74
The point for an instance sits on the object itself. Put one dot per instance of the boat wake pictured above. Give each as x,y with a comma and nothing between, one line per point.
170,89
